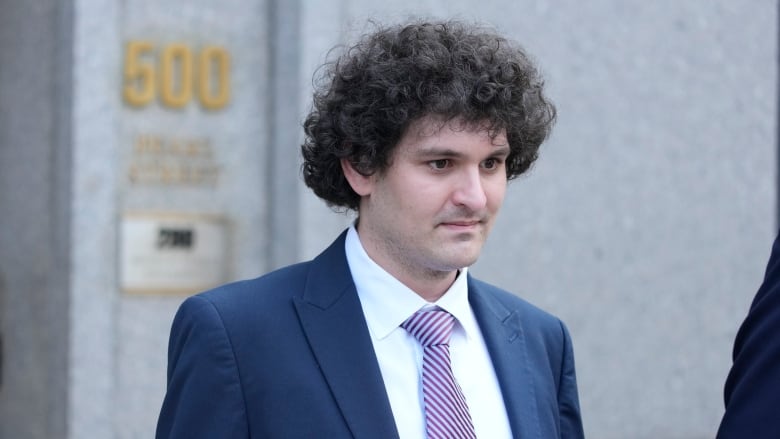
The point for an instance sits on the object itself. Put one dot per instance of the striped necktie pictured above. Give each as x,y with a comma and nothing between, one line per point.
446,413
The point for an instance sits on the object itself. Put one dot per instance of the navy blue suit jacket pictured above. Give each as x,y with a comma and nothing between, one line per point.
288,355
752,391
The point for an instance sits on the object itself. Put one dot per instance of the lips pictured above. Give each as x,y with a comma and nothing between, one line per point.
461,224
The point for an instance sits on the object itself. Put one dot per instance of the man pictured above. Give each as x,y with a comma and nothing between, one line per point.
385,334
752,391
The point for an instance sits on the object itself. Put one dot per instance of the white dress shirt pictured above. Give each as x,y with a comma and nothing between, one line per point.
386,304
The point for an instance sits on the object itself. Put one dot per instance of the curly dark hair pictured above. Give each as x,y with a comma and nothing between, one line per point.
369,96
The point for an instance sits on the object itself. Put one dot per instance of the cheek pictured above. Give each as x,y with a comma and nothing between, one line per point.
420,194
409,199
495,193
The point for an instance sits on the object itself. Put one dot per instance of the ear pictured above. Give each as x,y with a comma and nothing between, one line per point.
362,184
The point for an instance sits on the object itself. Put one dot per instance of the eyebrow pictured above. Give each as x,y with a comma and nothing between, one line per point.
435,151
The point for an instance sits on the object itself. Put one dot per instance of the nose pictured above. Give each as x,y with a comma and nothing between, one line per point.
470,191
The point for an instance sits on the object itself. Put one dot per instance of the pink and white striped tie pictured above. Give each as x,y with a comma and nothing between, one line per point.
446,413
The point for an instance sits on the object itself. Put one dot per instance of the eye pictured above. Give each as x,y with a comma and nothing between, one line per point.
491,164
439,164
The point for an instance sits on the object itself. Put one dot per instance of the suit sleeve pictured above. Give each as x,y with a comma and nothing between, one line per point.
752,390
568,399
204,398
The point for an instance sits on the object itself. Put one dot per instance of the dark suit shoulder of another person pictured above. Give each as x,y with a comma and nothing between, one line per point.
752,390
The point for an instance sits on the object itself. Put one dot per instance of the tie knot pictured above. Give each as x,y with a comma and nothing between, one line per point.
430,327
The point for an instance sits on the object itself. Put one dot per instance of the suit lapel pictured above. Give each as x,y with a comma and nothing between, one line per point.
332,318
503,332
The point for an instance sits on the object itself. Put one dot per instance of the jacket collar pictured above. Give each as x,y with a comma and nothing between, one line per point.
332,319
502,329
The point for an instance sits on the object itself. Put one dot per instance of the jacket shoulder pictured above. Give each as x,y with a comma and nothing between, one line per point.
512,303
267,292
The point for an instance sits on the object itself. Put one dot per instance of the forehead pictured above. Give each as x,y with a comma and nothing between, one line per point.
433,131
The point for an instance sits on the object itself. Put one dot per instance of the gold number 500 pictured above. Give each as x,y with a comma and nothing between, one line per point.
174,81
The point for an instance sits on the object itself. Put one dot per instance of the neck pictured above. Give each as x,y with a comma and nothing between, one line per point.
428,283
430,287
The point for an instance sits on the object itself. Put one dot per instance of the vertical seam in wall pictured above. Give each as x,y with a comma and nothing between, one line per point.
61,194
283,168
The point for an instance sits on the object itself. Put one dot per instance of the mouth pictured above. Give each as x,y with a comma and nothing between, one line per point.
461,225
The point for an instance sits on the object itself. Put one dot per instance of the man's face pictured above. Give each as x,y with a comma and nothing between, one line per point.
430,212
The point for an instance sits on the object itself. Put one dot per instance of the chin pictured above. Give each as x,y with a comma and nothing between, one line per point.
462,261
457,256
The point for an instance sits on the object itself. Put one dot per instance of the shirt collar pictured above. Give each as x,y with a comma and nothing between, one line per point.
387,302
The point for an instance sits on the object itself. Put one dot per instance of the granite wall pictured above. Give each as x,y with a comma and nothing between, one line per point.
645,224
